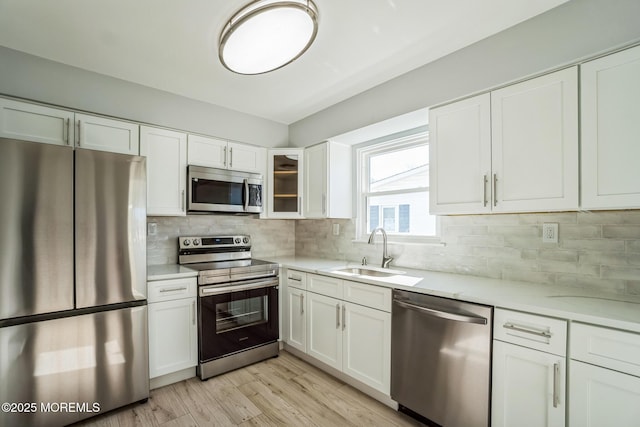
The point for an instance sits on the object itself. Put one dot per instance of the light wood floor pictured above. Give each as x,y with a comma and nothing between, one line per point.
284,391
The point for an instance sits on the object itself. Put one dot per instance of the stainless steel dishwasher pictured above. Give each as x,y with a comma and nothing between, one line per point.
441,359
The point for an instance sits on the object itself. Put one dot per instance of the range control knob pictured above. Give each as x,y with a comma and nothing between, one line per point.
237,240
196,242
186,242
245,240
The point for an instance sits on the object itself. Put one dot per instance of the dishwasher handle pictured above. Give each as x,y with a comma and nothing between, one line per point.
442,314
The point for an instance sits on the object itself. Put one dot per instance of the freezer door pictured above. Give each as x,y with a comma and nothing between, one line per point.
94,362
36,228
111,218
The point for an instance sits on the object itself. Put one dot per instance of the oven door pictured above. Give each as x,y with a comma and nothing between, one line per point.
219,190
236,317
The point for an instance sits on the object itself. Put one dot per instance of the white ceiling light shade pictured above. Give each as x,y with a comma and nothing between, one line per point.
267,34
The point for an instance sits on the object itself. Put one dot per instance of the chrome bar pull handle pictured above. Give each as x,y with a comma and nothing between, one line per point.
173,289
337,316
556,385
246,195
484,189
65,132
182,199
231,157
495,186
344,316
300,205
224,151
78,133
301,303
324,204
518,328
193,312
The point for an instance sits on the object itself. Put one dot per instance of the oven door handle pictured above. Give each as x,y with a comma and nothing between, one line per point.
217,290
246,195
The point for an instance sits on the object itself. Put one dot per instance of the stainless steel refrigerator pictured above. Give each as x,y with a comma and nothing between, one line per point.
73,313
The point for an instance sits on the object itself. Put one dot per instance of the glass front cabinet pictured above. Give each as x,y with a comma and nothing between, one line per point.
285,183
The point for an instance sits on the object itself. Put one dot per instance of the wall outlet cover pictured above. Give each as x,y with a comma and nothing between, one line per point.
550,232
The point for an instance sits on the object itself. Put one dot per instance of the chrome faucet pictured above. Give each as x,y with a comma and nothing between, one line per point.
386,259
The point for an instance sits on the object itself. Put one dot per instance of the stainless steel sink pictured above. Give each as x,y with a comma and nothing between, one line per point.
360,271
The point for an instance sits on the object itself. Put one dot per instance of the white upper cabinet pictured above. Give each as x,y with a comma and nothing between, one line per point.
285,183
99,133
31,122
513,150
218,153
460,156
535,144
327,181
166,153
610,131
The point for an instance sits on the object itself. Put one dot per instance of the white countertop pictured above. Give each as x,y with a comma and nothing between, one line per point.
576,304
169,271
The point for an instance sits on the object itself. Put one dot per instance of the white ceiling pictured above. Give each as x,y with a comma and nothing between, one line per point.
172,45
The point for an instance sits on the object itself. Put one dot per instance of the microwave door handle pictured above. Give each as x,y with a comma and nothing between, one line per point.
246,194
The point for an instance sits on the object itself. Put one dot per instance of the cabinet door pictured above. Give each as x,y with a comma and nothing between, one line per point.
247,158
166,153
99,133
324,329
315,181
535,144
460,157
173,336
284,183
610,126
295,319
367,346
601,397
528,387
209,152
30,122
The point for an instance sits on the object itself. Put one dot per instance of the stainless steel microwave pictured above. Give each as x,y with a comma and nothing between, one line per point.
221,190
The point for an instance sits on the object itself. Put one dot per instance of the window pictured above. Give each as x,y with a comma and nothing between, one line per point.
393,187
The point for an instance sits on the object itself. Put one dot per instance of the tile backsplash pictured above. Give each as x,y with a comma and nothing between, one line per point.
269,237
599,250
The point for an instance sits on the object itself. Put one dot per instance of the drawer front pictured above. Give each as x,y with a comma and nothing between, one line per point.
168,290
329,286
530,330
296,279
372,296
609,348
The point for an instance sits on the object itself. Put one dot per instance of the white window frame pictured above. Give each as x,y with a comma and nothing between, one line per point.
362,153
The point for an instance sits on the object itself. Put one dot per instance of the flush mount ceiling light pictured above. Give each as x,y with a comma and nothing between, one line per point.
266,35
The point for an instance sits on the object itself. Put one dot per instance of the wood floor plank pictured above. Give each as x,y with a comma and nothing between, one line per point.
283,391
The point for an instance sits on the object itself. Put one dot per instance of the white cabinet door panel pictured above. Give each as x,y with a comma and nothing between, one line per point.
172,336
295,319
247,158
610,125
601,397
324,333
166,153
535,144
460,157
523,387
30,122
208,152
99,133
367,346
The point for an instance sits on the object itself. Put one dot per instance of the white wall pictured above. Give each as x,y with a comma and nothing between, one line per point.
573,31
38,79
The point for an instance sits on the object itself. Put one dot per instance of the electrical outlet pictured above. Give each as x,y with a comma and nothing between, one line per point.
550,232
152,229
336,229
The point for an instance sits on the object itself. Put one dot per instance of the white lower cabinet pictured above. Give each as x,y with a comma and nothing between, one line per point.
173,331
347,328
604,377
526,387
602,397
529,370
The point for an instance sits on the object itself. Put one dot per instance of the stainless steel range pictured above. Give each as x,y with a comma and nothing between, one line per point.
237,302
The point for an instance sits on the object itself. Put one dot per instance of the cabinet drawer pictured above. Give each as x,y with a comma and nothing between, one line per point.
530,330
368,295
610,348
167,290
329,286
296,279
